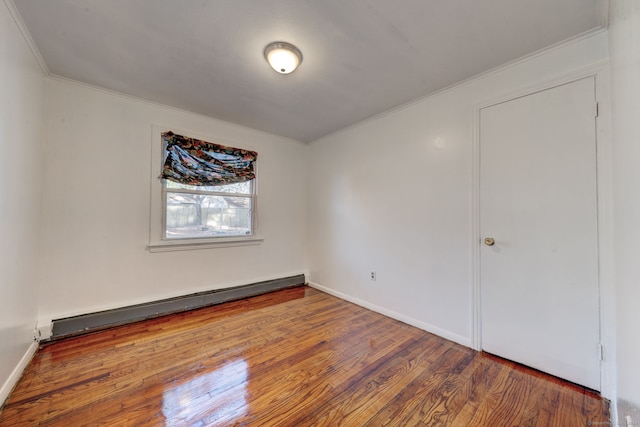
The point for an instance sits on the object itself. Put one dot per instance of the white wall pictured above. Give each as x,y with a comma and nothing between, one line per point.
21,158
96,206
407,216
624,38
393,194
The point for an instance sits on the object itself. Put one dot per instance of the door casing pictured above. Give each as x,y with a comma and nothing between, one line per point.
600,71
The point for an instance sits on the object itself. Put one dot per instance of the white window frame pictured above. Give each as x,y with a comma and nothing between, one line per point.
157,240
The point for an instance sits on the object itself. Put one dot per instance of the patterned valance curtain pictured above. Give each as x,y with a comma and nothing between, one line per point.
194,162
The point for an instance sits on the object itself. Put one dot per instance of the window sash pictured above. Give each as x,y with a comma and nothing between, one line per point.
252,213
206,193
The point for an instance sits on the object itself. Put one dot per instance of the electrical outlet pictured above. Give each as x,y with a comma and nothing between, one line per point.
372,276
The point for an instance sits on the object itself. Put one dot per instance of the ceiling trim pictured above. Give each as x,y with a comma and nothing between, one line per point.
499,68
603,13
602,20
144,101
17,19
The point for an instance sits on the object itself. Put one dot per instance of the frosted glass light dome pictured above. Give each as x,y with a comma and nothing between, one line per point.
283,57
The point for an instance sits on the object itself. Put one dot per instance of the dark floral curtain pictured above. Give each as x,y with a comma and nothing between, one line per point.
194,162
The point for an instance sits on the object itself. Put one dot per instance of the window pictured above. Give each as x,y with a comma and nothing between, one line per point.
203,193
204,212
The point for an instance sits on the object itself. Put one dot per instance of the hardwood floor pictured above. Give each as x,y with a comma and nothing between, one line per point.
296,357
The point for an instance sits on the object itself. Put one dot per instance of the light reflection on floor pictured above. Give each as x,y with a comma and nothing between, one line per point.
191,403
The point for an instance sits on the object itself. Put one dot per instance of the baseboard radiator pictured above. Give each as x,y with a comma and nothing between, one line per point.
85,323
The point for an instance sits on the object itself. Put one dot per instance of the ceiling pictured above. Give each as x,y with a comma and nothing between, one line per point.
361,58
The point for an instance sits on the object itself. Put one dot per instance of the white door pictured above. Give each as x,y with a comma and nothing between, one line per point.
539,279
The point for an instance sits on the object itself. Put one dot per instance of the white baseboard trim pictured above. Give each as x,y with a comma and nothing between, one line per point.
11,382
465,341
44,329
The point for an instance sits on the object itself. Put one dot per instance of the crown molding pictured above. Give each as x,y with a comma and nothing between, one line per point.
603,13
26,35
513,63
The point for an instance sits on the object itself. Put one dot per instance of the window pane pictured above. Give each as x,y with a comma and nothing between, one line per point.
238,187
191,216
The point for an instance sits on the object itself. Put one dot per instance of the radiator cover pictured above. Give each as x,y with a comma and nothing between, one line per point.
85,323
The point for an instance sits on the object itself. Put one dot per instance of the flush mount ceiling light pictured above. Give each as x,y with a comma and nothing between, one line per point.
282,56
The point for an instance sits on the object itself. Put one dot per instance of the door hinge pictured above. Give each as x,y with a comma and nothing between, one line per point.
597,109
601,352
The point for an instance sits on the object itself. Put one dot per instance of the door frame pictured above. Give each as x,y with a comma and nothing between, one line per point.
604,193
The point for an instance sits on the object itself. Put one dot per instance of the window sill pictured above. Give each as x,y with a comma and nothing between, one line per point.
189,245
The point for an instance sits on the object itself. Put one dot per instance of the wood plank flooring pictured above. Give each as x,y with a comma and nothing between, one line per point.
296,357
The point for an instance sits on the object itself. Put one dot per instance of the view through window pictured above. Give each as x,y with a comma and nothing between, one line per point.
212,211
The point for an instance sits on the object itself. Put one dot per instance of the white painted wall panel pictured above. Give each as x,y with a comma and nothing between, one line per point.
96,206
624,39
393,194
22,87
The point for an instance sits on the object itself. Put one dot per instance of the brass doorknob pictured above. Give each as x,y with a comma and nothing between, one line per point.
489,241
